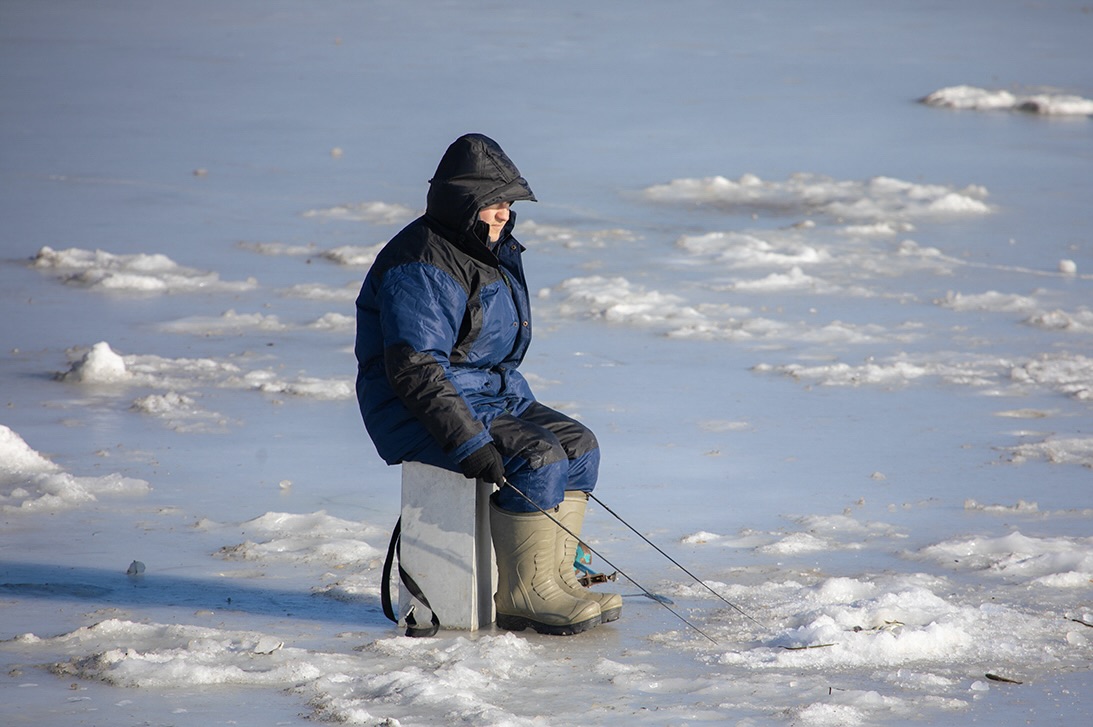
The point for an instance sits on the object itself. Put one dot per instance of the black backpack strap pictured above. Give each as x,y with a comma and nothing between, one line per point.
385,583
394,550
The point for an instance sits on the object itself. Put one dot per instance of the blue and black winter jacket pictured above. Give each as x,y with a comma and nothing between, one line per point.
443,321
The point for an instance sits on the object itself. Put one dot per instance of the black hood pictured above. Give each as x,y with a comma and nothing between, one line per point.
473,173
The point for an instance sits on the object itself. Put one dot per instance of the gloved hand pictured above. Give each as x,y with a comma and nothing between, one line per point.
485,463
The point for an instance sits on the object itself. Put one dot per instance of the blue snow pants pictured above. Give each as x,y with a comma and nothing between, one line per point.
545,453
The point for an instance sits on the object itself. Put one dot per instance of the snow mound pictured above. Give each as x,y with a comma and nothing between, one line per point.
180,413
536,234
31,483
875,199
991,300
317,291
346,255
482,681
231,323
1068,374
1018,556
744,250
226,324
101,365
980,99
906,621
616,300
1056,450
139,273
174,655
353,255
821,533
1079,321
376,213
307,538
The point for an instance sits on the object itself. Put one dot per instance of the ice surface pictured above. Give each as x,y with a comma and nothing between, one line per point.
822,295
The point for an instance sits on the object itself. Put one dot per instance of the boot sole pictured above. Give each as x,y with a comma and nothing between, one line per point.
611,614
519,623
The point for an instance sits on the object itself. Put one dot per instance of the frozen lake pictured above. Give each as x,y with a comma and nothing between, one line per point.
836,343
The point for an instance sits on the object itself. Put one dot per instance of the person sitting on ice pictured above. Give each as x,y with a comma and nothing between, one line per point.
443,323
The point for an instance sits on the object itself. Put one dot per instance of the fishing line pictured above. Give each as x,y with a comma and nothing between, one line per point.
692,575
605,560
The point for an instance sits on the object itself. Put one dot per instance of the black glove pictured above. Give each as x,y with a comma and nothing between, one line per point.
484,463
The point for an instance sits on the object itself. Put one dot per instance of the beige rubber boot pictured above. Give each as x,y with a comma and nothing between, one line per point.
571,515
528,593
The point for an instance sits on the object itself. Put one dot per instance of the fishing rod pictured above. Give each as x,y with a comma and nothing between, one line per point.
677,563
605,560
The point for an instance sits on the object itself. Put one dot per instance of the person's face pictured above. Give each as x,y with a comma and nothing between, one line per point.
496,216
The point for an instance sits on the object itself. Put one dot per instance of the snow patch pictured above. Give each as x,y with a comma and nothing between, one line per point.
1017,556
1056,450
981,99
101,365
376,213
139,273
876,199
1067,374
536,235
306,538
31,483
743,250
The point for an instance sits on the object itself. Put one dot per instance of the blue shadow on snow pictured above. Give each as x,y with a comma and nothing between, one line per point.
111,588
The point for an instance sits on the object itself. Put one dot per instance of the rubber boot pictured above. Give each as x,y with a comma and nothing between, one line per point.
528,593
571,515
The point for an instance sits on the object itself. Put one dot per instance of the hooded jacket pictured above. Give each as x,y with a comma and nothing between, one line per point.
443,319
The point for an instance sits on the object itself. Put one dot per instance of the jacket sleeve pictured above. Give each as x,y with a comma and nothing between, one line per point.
421,310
